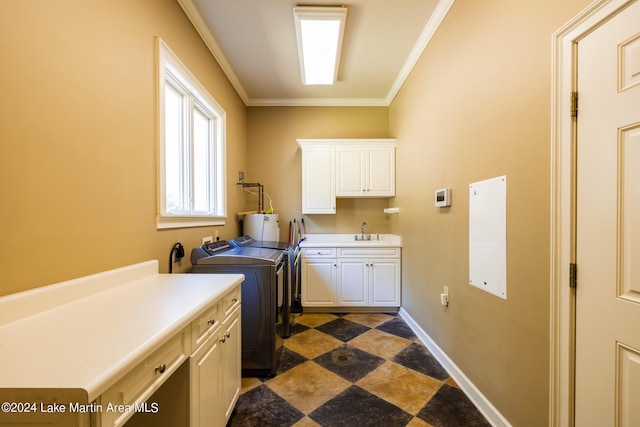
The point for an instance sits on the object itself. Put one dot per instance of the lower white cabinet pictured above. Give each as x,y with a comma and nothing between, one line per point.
231,364
371,281
319,277
348,277
216,373
205,380
353,282
176,365
384,282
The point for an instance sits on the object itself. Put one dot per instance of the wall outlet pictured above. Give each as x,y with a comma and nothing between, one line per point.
207,239
216,235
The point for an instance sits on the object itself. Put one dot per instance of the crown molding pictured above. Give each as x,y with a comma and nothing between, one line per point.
317,102
198,23
438,15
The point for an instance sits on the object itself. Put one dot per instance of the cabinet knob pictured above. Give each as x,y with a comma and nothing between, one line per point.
161,368
234,299
211,321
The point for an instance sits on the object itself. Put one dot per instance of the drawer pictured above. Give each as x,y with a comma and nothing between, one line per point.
369,252
231,300
206,324
139,384
319,252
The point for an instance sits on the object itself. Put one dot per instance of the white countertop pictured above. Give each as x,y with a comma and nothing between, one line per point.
349,240
101,327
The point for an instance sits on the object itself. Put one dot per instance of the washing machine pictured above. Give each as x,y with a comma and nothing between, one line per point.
265,293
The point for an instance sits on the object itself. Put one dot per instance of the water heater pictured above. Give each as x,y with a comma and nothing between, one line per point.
262,227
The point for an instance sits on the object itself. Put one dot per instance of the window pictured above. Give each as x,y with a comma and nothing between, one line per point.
191,185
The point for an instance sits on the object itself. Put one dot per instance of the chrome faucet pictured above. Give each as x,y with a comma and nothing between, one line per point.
363,236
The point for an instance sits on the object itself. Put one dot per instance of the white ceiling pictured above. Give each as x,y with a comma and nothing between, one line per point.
255,43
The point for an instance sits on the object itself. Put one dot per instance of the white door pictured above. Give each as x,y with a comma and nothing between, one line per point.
608,224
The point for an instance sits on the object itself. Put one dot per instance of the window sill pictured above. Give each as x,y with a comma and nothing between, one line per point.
171,221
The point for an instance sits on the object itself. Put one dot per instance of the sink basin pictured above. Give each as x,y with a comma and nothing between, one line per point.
350,240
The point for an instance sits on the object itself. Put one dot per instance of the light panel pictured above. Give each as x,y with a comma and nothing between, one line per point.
319,31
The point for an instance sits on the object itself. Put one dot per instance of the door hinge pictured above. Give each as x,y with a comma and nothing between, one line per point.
573,275
574,104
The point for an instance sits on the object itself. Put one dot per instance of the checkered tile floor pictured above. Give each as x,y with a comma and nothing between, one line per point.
359,369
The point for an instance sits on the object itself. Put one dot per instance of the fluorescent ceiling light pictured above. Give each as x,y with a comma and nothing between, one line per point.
319,32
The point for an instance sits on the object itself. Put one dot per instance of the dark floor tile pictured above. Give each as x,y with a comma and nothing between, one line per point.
450,407
357,407
289,359
398,327
296,328
349,362
263,407
418,358
343,329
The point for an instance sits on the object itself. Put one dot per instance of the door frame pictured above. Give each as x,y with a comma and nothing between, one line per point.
563,205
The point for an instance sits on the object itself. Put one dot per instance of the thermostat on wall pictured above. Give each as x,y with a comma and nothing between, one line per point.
443,197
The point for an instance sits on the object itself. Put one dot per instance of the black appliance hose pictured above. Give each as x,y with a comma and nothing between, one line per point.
178,250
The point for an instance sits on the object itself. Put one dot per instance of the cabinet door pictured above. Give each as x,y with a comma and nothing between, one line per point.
381,173
318,180
319,282
353,282
231,363
385,282
351,172
205,382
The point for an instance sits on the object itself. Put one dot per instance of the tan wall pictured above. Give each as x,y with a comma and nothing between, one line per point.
78,136
477,106
275,161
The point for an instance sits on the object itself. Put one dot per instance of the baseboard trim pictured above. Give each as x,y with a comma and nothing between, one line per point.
478,399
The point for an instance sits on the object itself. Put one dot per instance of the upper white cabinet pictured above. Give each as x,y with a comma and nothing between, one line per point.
345,168
366,170
318,178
